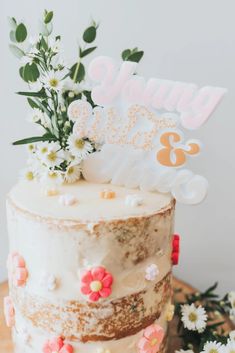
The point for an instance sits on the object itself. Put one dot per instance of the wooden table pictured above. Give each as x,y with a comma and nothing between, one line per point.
5,335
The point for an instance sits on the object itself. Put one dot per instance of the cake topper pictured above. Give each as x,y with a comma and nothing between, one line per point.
112,127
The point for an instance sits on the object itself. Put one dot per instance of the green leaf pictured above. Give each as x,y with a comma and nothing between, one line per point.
86,51
46,137
77,72
40,94
29,72
16,51
136,57
32,103
89,35
12,36
48,17
21,33
125,54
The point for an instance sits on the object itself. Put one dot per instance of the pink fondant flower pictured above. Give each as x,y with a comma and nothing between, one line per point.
57,345
151,340
18,273
97,283
9,311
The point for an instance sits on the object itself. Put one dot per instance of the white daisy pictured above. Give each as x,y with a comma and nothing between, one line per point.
48,281
51,154
70,85
27,174
52,178
212,347
79,147
31,148
53,80
72,174
232,335
231,298
230,347
193,318
36,116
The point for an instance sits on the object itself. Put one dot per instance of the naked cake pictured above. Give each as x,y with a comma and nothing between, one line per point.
91,222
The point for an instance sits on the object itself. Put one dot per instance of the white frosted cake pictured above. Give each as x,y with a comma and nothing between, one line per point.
89,273
91,222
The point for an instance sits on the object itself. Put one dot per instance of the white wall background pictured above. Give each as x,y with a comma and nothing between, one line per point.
187,40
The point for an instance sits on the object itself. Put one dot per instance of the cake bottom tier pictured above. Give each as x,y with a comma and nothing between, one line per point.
28,339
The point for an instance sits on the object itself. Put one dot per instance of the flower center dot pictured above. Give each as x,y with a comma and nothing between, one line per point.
29,176
44,150
96,286
52,156
153,342
70,170
79,143
54,82
192,317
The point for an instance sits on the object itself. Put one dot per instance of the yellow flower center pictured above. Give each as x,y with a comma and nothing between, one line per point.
213,350
70,170
192,317
51,156
96,286
153,342
53,175
44,150
31,147
29,175
79,143
53,82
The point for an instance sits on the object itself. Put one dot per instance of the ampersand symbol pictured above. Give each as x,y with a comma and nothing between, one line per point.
174,152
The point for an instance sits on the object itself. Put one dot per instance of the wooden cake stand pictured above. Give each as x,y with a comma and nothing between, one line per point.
5,334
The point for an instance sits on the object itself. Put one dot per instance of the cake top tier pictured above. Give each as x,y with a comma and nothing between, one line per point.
84,202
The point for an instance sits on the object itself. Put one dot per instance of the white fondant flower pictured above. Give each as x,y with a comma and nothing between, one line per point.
67,200
53,80
133,200
212,347
48,281
78,147
194,318
151,272
72,174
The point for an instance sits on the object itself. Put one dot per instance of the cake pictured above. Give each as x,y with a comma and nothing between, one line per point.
57,244
91,223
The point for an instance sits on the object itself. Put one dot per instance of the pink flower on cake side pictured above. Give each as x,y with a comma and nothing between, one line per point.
18,272
57,345
96,283
9,311
151,340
